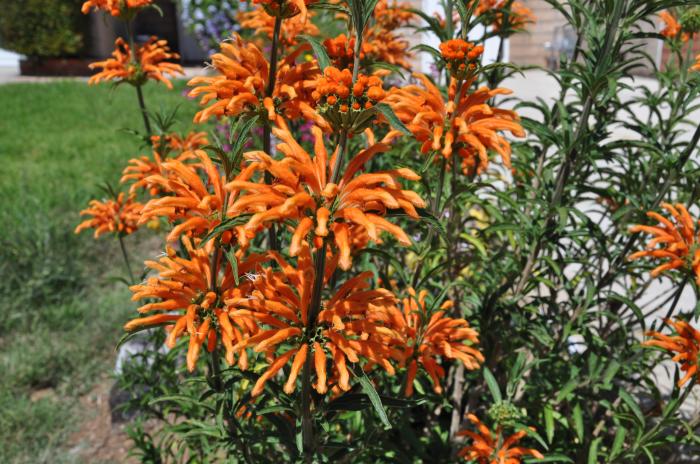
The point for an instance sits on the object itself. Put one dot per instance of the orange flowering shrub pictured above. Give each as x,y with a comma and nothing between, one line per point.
686,344
488,447
119,216
149,63
678,241
466,124
291,230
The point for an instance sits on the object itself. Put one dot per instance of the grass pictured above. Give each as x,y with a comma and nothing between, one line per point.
61,307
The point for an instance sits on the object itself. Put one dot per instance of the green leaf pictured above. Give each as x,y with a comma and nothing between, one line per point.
632,404
369,390
229,223
493,385
231,256
319,50
618,442
328,6
578,421
478,244
593,451
390,116
549,422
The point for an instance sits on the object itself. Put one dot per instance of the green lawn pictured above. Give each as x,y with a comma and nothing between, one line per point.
61,308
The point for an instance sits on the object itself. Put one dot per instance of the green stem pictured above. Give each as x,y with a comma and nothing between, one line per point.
127,263
139,90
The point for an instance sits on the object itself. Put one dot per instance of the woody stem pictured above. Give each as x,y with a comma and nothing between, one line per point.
267,129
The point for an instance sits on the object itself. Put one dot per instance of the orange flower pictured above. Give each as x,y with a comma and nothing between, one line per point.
686,343
462,57
114,216
672,29
242,82
679,242
303,192
280,305
494,448
341,51
470,126
194,203
344,104
261,22
149,63
392,16
286,8
425,337
519,16
382,45
696,66
140,170
187,301
192,141
114,7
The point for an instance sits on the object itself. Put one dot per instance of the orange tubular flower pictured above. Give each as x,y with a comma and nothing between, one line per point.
114,216
680,244
344,330
303,192
185,302
696,66
344,105
114,7
493,448
140,169
471,126
150,63
392,15
672,29
195,204
462,57
242,81
519,16
261,22
686,343
440,336
286,8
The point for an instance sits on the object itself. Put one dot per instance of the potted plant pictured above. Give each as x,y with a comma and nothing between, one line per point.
49,33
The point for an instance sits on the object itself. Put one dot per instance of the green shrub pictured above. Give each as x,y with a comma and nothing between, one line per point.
41,28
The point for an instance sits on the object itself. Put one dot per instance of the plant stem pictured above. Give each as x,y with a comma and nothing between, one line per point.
267,129
571,154
127,263
139,90
144,111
